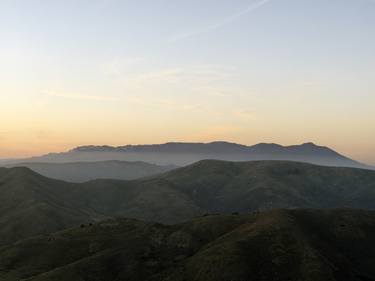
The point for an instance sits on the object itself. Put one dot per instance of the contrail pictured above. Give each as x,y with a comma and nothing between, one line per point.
221,24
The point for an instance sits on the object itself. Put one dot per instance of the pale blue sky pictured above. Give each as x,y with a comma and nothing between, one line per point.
117,72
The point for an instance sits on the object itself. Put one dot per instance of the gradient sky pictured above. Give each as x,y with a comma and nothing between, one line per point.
76,72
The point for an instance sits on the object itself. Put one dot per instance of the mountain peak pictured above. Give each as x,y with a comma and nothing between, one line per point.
90,148
184,153
311,144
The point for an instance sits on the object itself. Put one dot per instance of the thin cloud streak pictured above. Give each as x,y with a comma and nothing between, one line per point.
176,76
221,24
80,97
169,104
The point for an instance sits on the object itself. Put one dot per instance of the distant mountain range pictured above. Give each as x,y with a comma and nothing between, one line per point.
86,171
32,204
182,154
284,245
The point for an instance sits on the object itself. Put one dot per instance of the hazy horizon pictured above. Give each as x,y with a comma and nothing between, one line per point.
141,72
191,96
153,161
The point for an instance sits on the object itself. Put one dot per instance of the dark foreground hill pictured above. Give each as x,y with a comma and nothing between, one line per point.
182,154
32,204
86,171
278,245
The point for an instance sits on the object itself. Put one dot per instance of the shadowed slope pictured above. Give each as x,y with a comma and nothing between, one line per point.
86,171
31,204
277,245
226,187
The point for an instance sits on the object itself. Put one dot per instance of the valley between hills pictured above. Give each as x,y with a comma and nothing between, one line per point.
209,220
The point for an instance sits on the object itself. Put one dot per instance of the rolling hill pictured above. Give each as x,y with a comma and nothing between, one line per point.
86,171
32,204
212,186
283,245
182,154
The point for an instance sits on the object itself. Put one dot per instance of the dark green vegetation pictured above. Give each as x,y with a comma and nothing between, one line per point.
32,204
277,245
86,171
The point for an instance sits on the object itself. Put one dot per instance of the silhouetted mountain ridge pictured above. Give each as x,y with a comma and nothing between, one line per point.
182,154
213,147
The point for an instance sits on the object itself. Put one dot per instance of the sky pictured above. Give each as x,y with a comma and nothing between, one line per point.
116,72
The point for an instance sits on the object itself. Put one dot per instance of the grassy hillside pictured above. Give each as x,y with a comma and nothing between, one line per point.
32,204
276,245
226,187
86,171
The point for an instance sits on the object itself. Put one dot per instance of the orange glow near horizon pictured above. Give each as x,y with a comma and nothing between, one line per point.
118,72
